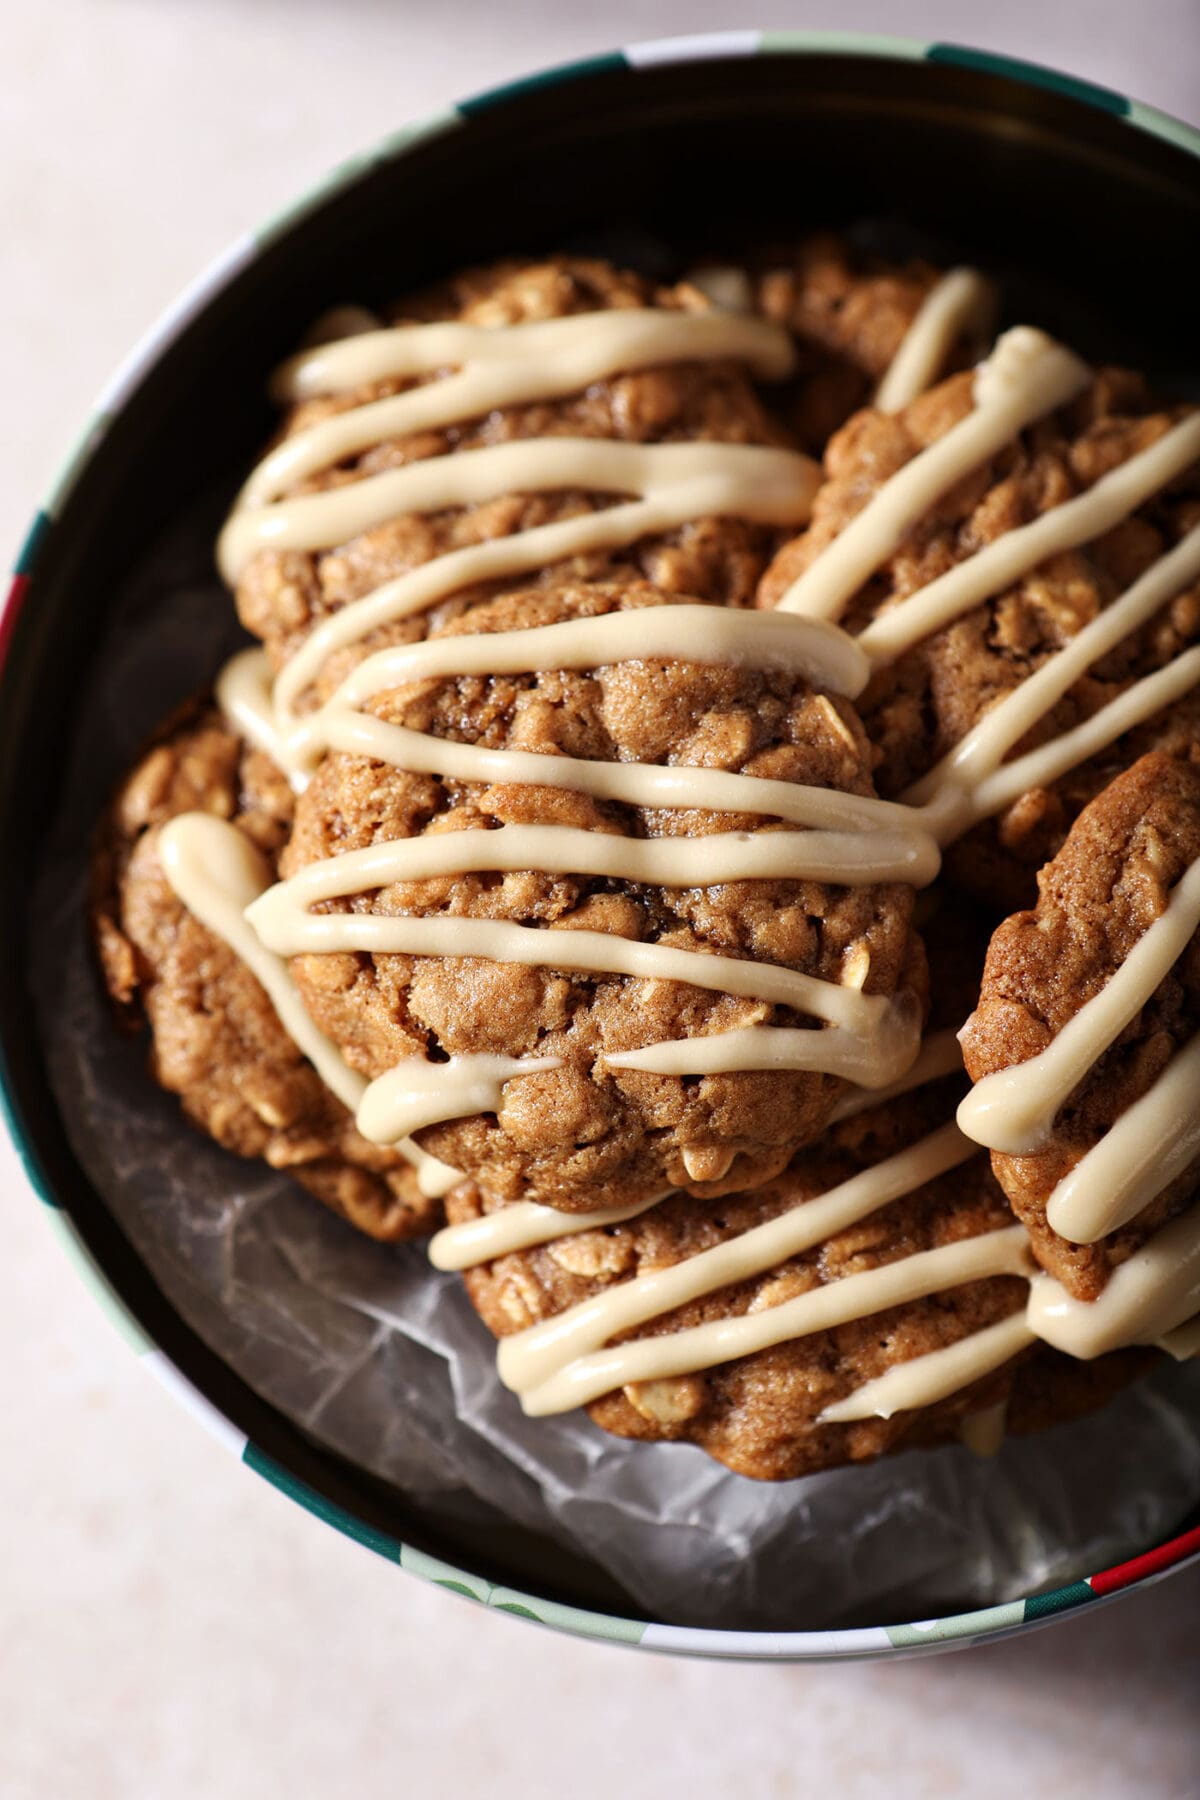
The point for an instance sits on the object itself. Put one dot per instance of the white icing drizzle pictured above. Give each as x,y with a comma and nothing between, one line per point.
700,634
564,1362
665,862
494,367
720,636
940,1054
924,1380
877,1038
243,691
1003,1252
963,302
676,482
633,784
872,1058
216,872
534,1356
499,940
1184,1342
1148,1296
1027,376
417,1093
1149,1145
521,1225
1013,1110
974,781
1150,1299
1004,561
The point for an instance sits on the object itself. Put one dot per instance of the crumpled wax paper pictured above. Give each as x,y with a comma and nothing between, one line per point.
382,1359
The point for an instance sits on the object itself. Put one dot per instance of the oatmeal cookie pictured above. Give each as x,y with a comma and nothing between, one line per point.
1108,884
216,1040
283,594
849,315
588,1135
921,705
761,1414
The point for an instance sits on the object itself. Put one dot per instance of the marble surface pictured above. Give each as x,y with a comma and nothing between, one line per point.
169,1626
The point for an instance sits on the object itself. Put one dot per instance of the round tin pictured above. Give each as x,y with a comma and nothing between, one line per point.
1016,164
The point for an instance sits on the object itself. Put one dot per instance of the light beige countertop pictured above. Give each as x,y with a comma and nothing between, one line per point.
169,1626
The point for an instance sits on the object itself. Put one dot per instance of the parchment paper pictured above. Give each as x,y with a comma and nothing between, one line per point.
381,1358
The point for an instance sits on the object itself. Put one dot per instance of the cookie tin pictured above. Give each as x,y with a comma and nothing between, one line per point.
1018,164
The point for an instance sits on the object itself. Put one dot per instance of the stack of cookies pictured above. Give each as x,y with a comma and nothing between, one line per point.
596,861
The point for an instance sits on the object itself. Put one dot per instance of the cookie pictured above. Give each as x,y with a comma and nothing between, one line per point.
590,915
216,1039
1120,871
825,1396
588,1129
850,315
939,677
822,1395
284,594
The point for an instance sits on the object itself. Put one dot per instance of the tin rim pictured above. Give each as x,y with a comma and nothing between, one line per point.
990,1623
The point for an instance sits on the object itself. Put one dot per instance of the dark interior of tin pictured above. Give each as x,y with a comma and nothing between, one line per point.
1090,219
